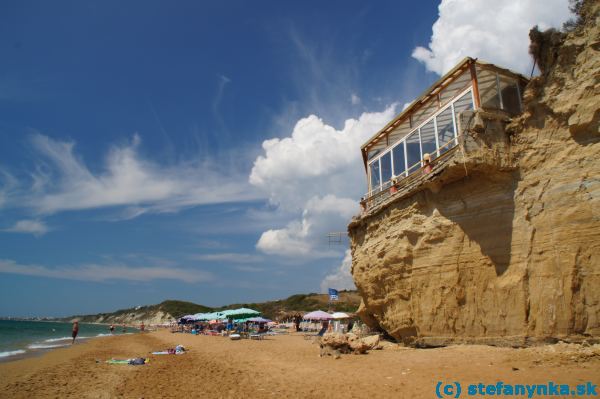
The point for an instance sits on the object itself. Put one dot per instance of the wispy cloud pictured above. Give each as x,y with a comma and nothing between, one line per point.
101,273
35,227
8,184
128,180
223,81
229,257
250,269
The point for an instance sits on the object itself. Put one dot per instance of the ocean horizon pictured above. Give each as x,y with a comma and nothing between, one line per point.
20,338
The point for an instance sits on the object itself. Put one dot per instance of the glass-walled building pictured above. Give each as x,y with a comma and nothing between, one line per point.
429,127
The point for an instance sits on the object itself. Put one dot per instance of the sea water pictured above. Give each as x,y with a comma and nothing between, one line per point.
19,338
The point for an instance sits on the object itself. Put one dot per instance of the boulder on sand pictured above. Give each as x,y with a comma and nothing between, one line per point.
347,343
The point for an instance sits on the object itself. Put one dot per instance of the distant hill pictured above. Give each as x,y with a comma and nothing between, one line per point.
348,302
172,309
150,314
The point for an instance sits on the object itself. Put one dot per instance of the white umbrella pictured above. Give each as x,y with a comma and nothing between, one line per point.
340,315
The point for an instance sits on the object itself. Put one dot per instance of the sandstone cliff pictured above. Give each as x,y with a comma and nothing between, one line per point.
502,244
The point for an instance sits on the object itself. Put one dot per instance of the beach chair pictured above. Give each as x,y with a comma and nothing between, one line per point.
319,334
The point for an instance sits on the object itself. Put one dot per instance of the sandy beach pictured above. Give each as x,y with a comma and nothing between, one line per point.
280,366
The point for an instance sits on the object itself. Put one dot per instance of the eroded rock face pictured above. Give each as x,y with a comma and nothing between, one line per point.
503,245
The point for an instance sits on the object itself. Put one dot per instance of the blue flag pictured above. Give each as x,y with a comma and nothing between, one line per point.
333,295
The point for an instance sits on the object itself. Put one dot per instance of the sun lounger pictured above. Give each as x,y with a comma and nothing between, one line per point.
319,334
138,361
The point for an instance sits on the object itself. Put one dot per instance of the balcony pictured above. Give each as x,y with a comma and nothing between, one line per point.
423,137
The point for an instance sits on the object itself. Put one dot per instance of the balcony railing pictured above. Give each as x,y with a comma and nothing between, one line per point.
401,185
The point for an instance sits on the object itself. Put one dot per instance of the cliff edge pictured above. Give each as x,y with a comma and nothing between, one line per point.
502,244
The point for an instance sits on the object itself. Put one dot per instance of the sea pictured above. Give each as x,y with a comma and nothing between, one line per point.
22,338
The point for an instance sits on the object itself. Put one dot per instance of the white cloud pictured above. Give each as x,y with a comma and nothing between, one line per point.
316,160
7,186
302,237
127,180
35,227
318,171
100,273
341,278
495,31
250,269
229,257
354,99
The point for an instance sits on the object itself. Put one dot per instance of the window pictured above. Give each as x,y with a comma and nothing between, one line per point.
510,95
375,178
428,144
413,152
386,167
445,130
488,89
464,103
399,166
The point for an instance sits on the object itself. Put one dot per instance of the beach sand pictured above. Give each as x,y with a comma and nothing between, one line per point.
285,366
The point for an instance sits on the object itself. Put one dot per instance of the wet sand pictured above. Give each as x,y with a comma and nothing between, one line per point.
285,366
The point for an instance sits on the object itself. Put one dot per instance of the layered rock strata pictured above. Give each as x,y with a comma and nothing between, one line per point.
501,244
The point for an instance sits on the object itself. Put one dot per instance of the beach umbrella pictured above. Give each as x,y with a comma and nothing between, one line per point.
241,313
215,316
318,315
340,315
258,320
200,317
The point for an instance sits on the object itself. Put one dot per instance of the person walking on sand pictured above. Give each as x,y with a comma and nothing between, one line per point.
75,330
142,327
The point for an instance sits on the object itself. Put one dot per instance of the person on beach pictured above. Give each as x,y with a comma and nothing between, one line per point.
112,329
142,327
75,330
124,328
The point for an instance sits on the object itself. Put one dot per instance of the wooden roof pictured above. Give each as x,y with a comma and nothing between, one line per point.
433,90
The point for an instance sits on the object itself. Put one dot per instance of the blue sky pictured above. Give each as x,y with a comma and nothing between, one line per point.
202,151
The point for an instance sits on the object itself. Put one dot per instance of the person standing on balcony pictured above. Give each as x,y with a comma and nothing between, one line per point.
427,166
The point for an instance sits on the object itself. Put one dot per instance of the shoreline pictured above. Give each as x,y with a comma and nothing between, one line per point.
35,346
282,365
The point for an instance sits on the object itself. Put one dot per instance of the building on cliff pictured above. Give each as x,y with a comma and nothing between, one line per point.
427,131
497,240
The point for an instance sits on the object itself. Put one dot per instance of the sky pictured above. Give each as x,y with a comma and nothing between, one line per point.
202,151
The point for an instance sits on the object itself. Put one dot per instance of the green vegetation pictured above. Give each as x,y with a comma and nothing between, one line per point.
348,302
174,308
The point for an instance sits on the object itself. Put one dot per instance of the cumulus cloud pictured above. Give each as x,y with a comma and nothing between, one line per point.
301,237
35,227
493,31
100,273
318,172
341,278
127,180
316,160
